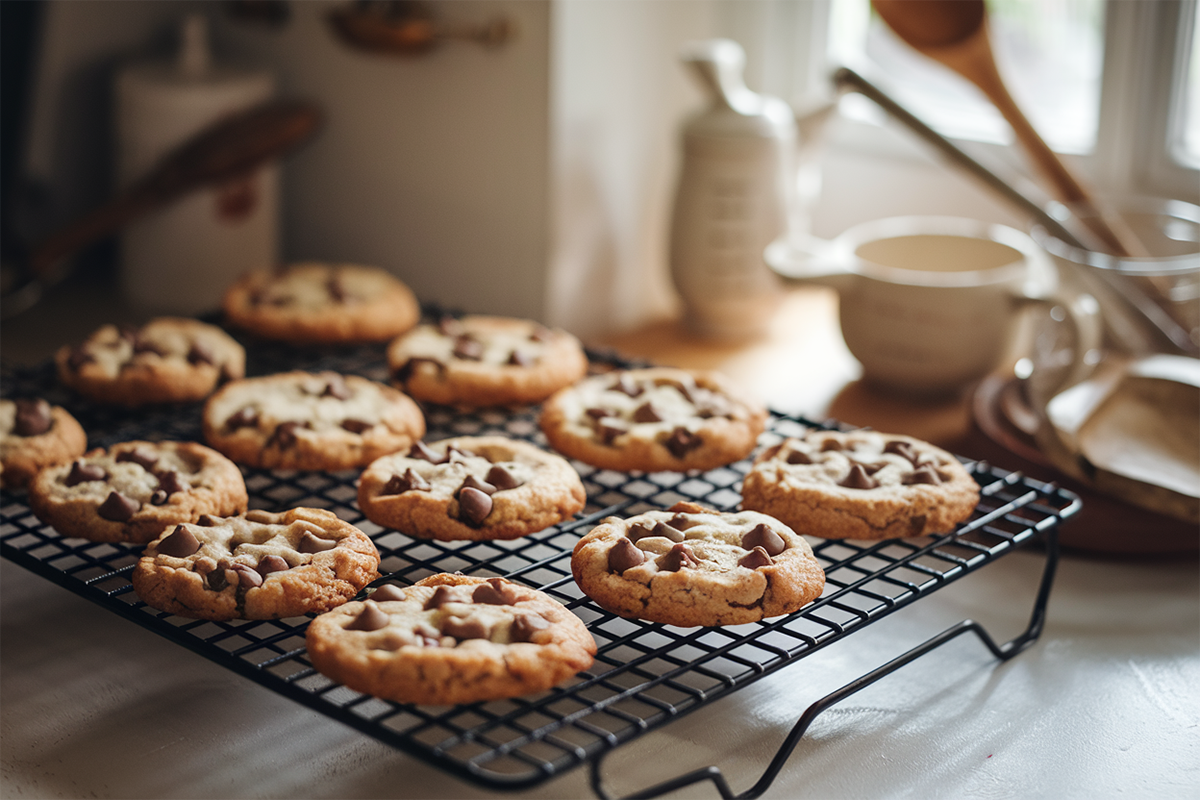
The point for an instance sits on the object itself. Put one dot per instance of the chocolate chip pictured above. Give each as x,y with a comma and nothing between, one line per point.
831,444
78,357
371,618
117,507
923,474
762,536
389,591
158,498
454,451
248,577
609,429
180,544
916,525
871,469
681,441
471,482
399,484
336,387
463,629
598,413
714,406
468,348
82,472
285,434
798,457
33,417
200,353
208,521
128,332
903,449
626,385
272,563
403,373
449,326
755,558
242,418
170,482
518,359
541,333
356,425
624,555
858,478
334,287
525,626
496,592
446,594
311,543
678,557
646,413
644,529
473,506
216,580
141,345
423,451
145,457
682,522
501,478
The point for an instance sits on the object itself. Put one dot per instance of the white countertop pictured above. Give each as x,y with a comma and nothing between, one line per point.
1105,704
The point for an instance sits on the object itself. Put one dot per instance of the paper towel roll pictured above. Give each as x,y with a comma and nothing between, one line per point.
179,259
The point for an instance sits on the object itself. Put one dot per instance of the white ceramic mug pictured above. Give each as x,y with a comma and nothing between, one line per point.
930,304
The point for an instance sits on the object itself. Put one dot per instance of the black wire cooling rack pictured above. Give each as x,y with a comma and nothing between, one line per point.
645,674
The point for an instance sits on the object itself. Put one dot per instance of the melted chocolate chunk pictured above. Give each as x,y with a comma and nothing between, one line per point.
496,592
526,626
311,543
336,387
473,506
922,474
242,418
423,451
871,469
389,591
762,536
117,507
644,529
624,555
646,413
858,478
903,449
678,557
272,563
468,348
371,618
608,429
626,385
82,472
681,442
144,457
200,353
798,457
356,425
463,629
501,478
598,413
180,544
33,417
471,482
170,482
285,434
755,558
399,484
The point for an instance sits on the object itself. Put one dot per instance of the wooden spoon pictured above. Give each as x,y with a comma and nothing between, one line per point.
955,33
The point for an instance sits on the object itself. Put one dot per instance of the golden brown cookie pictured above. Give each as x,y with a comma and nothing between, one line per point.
167,360
133,491
691,566
485,361
305,420
471,487
451,639
35,434
860,485
313,302
256,566
655,419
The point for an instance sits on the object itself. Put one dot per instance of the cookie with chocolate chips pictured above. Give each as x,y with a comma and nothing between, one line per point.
485,361
470,487
315,302
167,360
310,420
133,491
451,639
657,419
259,565
860,485
690,565
35,434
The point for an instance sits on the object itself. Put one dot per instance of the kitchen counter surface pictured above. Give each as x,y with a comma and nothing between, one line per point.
1105,704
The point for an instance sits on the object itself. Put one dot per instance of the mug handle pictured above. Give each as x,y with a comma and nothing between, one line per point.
808,259
1081,312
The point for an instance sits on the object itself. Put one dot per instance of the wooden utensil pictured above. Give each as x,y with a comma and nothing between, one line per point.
955,33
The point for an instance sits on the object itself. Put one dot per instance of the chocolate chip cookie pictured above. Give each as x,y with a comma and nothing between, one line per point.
451,639
167,360
257,566
135,490
470,487
860,485
485,361
657,419
691,566
306,420
35,434
313,302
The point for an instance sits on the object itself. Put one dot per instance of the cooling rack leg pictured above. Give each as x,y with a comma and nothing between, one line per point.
1001,651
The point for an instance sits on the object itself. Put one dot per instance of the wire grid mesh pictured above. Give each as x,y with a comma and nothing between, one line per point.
645,674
